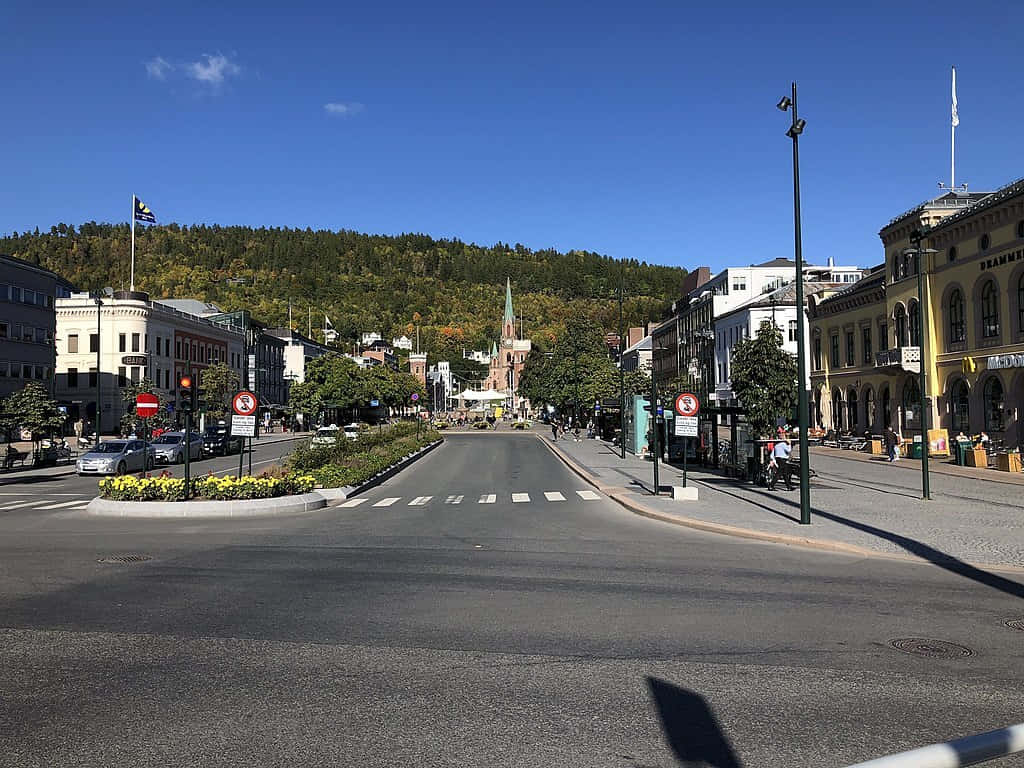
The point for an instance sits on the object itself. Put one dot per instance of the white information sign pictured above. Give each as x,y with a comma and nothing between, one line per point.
243,426
686,426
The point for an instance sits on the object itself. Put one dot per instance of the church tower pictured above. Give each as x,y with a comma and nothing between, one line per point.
508,325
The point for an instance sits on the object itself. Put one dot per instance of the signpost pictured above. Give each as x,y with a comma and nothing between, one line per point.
687,406
146,406
243,423
415,397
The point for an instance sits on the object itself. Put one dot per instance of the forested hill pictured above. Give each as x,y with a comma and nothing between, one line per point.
453,290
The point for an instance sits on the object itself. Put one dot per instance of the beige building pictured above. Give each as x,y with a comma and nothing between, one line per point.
867,343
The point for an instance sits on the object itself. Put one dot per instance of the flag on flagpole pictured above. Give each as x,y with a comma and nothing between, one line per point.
142,212
956,117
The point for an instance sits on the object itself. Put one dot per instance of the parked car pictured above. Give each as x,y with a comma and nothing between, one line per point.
116,457
218,440
326,435
170,447
352,431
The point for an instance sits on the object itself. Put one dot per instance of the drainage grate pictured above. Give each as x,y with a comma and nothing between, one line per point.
923,646
124,559
1015,623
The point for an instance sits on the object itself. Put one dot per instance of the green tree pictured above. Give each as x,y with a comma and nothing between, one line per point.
219,384
161,420
304,398
763,377
31,408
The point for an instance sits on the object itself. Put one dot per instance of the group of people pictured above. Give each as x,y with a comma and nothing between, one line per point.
570,425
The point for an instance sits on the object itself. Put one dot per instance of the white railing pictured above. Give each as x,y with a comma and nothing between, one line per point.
970,750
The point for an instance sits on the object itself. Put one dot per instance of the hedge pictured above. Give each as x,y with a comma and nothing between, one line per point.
165,488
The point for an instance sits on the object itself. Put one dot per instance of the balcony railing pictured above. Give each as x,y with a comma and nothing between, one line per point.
905,358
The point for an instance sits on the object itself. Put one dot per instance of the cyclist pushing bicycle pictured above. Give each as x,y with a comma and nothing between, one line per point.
778,464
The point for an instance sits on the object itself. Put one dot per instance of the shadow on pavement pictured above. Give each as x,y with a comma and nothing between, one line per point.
718,482
34,479
691,729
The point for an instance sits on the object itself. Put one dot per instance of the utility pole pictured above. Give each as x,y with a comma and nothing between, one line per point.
622,372
916,238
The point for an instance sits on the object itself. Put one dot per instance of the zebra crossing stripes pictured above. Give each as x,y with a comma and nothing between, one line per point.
587,495
387,502
352,503
520,498
553,496
488,498
419,501
454,500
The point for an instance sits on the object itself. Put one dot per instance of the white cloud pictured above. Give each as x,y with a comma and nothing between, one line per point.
213,70
158,68
343,108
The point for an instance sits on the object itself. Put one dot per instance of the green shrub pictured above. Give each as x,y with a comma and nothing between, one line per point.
165,488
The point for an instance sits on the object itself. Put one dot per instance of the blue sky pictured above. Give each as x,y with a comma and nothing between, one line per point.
640,130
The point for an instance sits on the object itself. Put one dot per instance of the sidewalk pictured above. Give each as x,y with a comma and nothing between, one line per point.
9,476
858,506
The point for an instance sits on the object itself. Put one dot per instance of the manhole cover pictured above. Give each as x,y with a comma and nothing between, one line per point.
1015,623
124,559
923,646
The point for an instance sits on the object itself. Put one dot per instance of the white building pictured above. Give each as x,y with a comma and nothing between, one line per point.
442,374
136,338
484,358
363,361
370,337
298,351
402,342
638,356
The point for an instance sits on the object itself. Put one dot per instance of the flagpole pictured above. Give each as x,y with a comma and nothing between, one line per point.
132,281
952,137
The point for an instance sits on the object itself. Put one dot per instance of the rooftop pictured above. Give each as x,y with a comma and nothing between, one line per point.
191,306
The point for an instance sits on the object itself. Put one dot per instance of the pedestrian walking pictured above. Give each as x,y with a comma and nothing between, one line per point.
892,443
781,453
554,431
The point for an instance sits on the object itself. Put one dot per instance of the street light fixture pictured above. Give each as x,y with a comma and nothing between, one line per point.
922,255
795,129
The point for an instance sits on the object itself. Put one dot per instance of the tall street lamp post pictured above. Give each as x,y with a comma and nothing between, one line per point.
99,375
922,254
794,132
622,373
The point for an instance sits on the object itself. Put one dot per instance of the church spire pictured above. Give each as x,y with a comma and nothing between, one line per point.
508,325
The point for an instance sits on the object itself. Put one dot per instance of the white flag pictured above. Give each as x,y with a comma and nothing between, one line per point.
327,322
956,117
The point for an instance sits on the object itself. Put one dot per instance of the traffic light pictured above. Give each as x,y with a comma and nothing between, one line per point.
186,394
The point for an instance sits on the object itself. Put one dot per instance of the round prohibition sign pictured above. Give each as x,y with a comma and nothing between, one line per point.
244,403
687,404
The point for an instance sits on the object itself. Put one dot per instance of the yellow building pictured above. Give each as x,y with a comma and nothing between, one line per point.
866,340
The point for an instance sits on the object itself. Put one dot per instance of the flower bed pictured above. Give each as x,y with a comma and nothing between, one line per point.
166,488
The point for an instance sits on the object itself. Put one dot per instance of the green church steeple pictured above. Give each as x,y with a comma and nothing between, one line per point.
508,324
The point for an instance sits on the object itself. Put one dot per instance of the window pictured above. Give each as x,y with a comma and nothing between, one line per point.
817,353
135,342
960,406
984,242
4,330
900,318
39,372
72,378
15,293
1020,233
739,283
72,343
15,370
952,253
883,336
851,410
93,377
5,291
993,403
915,324
122,343
956,317
990,310
41,336
122,376
145,346
792,330
177,348
835,350
26,371
851,357
135,374
94,342
911,402
1020,304
866,339
28,296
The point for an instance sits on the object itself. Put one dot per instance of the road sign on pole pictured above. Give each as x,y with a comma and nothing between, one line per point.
687,404
244,403
146,405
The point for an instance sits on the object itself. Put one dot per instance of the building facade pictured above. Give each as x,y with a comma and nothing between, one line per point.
298,352
28,324
115,341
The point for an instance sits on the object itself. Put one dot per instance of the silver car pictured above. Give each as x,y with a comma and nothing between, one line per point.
116,457
170,447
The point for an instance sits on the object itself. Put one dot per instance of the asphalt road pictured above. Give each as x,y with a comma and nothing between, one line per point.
443,621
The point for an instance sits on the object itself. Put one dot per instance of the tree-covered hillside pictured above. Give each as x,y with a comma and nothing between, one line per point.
453,290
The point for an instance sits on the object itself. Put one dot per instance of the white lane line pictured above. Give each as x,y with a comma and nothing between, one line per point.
588,495
519,498
553,496
22,504
488,498
419,501
62,504
454,500
387,502
352,503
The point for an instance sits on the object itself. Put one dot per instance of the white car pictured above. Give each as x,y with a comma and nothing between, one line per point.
351,431
326,436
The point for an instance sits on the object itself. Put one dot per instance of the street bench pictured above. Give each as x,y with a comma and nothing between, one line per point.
13,457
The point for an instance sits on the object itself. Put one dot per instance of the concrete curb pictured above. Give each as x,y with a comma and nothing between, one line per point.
335,495
282,505
623,497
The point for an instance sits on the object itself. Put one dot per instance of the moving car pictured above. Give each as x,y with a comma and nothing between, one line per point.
218,440
116,457
170,447
325,436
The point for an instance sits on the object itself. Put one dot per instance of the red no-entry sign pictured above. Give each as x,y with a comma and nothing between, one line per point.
244,403
687,404
146,405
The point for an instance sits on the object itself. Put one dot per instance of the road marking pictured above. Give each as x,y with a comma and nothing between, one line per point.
387,502
588,495
62,504
453,500
518,498
352,503
488,498
419,501
553,496
21,504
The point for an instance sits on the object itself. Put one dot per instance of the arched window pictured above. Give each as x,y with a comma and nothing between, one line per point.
837,411
915,324
959,404
992,401
900,321
956,316
911,402
869,409
886,407
1020,303
896,266
852,422
989,310
952,253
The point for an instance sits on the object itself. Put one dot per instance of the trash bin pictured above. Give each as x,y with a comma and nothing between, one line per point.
915,449
961,447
